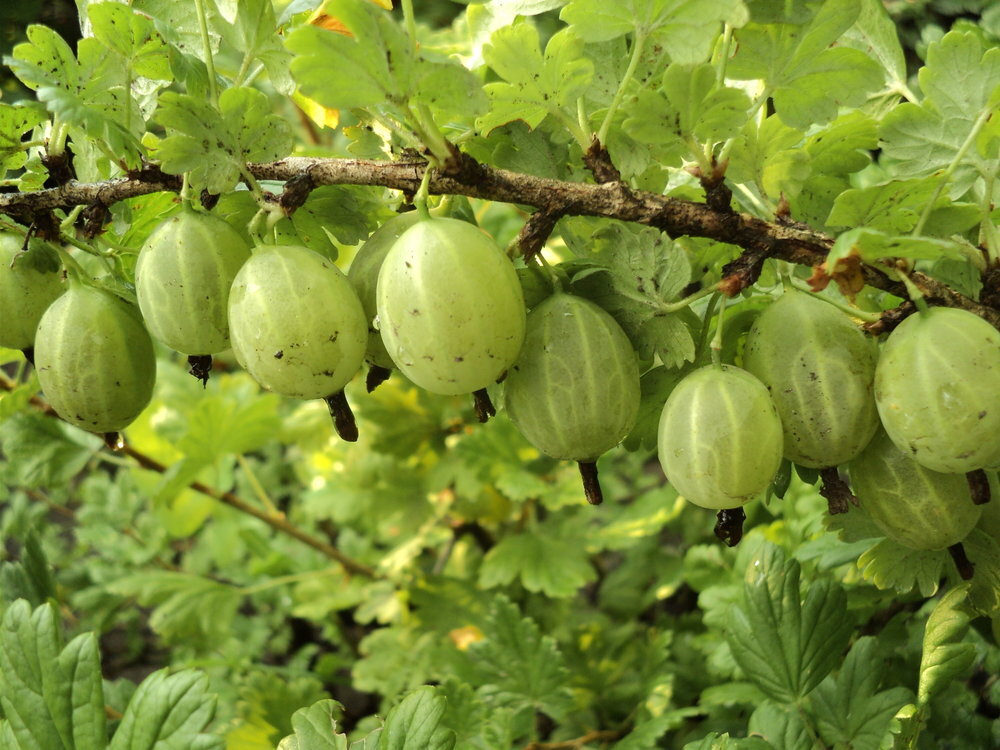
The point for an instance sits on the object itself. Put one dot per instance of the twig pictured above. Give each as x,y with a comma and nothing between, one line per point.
276,522
615,200
596,735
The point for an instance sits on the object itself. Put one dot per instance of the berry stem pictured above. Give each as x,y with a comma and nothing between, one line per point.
114,441
484,406
200,367
591,485
343,417
979,486
376,376
729,525
838,495
965,566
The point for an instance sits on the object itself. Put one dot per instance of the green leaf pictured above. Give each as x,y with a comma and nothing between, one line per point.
15,121
849,709
945,656
30,577
336,213
983,549
958,82
52,696
186,607
785,644
633,273
88,93
687,106
43,452
893,206
415,723
809,79
213,145
518,666
871,244
646,733
891,566
835,152
372,65
316,728
770,155
253,30
133,37
534,85
552,566
781,727
716,741
169,711
225,423
655,386
451,91
874,33
686,29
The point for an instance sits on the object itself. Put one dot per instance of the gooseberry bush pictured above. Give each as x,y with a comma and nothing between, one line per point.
734,264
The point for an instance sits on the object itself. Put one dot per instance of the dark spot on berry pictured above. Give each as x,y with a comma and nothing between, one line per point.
279,354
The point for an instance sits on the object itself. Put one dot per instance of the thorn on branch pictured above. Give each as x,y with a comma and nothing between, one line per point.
598,161
45,226
743,272
838,495
60,169
209,200
890,319
93,219
296,192
150,173
536,231
465,169
718,196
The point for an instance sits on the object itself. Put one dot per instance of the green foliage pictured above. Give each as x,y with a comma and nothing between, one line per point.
441,583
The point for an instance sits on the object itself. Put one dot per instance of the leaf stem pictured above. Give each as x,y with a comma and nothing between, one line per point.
943,181
285,580
722,59
258,488
206,44
638,44
411,26
868,317
423,192
716,344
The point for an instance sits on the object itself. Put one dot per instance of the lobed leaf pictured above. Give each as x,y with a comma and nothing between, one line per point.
316,728
552,566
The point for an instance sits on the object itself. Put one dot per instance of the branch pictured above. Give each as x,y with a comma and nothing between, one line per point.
613,200
278,523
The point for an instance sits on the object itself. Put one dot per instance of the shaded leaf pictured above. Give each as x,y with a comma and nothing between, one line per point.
316,728
787,643
555,567
52,696
169,711
415,723
945,656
